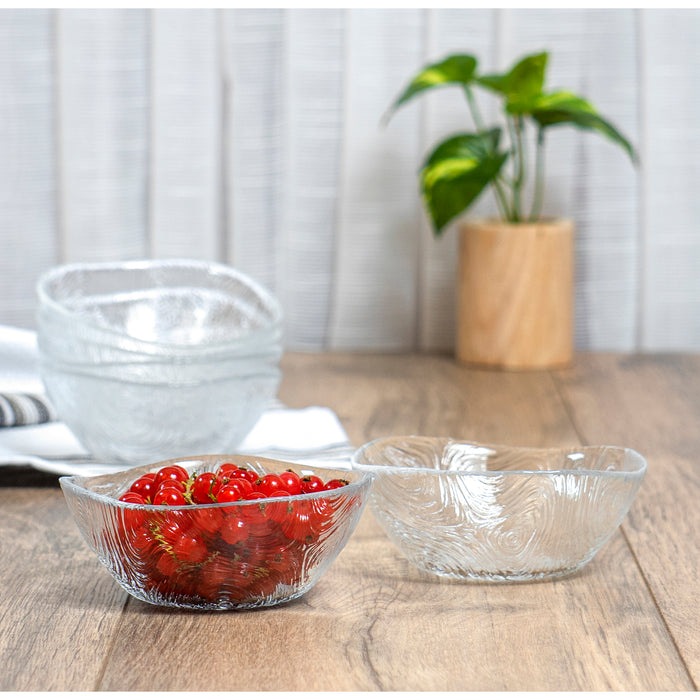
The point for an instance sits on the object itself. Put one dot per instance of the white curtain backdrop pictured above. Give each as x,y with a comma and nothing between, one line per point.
253,137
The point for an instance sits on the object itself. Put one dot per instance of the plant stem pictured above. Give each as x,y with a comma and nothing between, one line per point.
474,109
500,196
539,178
519,164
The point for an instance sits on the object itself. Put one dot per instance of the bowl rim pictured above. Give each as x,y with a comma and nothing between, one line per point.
212,267
638,471
76,483
268,371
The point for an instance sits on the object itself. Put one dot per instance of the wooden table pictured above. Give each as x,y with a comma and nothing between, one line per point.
630,620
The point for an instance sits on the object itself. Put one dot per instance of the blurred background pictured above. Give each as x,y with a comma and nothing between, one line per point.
254,137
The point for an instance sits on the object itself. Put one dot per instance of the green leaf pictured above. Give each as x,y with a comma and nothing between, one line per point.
457,172
466,146
566,108
523,81
454,70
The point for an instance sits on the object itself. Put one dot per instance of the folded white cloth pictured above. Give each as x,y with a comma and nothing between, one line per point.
19,361
311,435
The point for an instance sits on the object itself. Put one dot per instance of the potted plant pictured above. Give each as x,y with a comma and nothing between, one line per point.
515,274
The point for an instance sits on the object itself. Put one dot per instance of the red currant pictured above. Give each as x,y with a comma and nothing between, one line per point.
249,475
291,482
246,487
234,530
190,548
169,496
205,521
299,526
172,483
311,484
226,469
166,564
144,486
174,472
205,487
278,510
335,484
229,492
133,497
269,483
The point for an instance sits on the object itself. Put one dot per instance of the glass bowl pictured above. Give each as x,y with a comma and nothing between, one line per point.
240,555
133,414
494,513
168,307
142,359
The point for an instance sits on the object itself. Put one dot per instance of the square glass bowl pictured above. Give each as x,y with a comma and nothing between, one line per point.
238,555
147,358
494,513
136,309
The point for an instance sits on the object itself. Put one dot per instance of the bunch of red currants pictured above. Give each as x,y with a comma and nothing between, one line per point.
173,486
246,550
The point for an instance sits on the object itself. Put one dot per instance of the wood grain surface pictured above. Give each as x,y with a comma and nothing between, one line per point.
515,294
627,621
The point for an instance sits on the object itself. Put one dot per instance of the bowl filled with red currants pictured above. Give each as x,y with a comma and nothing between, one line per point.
218,532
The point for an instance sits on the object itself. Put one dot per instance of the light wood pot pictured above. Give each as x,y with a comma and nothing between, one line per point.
515,294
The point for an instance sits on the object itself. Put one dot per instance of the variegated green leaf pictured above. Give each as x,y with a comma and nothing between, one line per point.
466,145
521,82
456,173
566,108
454,70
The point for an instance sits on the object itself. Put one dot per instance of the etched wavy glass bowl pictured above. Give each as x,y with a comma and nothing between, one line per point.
171,307
133,414
495,513
142,359
255,554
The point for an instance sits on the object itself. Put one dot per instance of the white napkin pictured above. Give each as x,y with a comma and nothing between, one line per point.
311,435
19,361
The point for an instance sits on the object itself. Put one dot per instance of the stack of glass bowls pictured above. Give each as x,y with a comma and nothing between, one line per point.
144,360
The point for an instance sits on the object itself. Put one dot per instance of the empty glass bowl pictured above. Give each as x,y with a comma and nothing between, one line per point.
142,359
245,554
494,513
136,310
123,418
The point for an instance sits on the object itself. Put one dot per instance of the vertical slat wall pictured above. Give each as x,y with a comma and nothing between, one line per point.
606,206
254,137
375,296
593,54
253,58
313,122
670,200
103,72
446,112
185,134
28,227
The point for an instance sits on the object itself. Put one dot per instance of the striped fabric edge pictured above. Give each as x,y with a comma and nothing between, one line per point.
24,409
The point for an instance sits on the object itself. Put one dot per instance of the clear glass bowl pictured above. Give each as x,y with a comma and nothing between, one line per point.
493,513
257,553
126,419
142,359
68,341
166,307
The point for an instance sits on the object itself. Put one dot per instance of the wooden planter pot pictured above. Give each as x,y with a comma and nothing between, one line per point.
515,294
